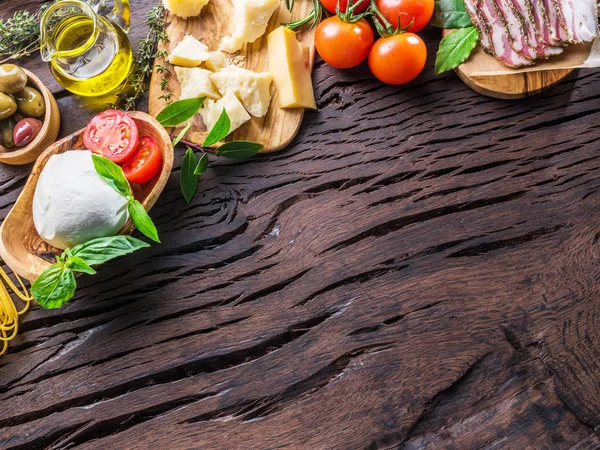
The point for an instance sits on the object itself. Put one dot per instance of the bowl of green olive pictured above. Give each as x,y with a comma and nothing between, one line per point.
29,116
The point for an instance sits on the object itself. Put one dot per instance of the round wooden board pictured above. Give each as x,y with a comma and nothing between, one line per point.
511,87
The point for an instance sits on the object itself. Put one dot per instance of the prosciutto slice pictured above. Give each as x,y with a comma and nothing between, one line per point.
481,25
515,26
558,26
579,17
542,24
534,27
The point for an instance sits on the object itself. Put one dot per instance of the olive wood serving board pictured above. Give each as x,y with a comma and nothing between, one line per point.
508,86
275,130
21,247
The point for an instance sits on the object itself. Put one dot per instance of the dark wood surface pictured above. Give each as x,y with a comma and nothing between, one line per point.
419,270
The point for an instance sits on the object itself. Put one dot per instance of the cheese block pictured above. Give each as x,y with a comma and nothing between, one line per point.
190,52
250,18
251,88
195,83
185,8
216,61
290,65
212,109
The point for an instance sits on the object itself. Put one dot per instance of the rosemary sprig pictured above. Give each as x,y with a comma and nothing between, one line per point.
138,80
20,34
315,17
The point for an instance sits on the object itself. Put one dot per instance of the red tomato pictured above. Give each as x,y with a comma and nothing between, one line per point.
145,162
398,59
343,44
407,10
331,5
112,134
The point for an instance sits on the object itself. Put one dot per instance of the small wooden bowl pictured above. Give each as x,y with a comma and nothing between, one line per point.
48,134
22,248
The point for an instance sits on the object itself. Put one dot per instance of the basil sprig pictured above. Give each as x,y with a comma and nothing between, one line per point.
188,179
114,176
56,285
456,49
179,111
449,14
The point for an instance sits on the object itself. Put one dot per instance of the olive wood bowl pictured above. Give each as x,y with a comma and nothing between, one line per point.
22,248
48,133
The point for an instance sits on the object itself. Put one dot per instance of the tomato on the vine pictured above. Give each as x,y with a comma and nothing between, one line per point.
398,59
331,5
406,11
343,44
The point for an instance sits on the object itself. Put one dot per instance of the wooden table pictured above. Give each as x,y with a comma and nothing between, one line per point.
419,270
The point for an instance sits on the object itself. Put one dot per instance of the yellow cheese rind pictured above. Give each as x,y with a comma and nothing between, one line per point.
290,66
185,8
212,109
195,83
216,61
251,88
251,18
190,52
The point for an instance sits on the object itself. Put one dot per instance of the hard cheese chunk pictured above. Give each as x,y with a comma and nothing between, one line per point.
195,83
290,66
250,18
216,61
190,52
185,8
251,88
212,109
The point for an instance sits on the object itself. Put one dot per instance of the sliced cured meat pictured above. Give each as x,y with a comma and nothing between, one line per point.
542,24
532,28
515,26
481,25
558,27
500,38
580,18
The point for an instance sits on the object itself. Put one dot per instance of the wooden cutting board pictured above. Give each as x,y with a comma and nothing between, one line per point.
508,86
277,129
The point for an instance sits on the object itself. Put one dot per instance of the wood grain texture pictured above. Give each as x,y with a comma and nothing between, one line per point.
22,248
418,270
279,126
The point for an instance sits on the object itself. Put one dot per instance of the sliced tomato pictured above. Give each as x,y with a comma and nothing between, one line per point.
145,162
112,134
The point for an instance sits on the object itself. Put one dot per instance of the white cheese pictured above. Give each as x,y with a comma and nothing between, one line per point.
185,8
211,110
72,204
251,88
195,83
250,18
190,52
216,61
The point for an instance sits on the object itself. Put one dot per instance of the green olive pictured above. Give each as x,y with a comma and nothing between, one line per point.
6,129
8,106
30,102
12,79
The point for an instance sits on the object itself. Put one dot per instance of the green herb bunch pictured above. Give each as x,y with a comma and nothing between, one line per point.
20,34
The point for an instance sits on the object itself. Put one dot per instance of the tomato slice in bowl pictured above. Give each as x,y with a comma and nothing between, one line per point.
112,134
145,162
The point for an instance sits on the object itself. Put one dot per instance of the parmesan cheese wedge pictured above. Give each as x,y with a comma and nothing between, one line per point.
212,109
185,8
251,18
190,52
216,61
251,88
195,83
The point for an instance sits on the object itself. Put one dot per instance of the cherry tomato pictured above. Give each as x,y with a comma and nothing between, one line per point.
407,10
331,5
343,44
112,134
398,59
145,162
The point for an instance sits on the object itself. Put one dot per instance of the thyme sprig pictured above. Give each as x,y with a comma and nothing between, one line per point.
139,79
20,34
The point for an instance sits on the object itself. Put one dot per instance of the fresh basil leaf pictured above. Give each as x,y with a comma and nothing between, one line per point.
179,111
238,149
202,165
181,134
142,220
455,49
54,287
219,131
112,174
76,264
188,180
101,250
450,14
